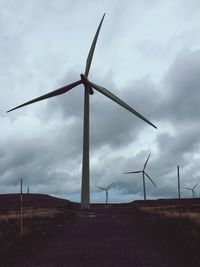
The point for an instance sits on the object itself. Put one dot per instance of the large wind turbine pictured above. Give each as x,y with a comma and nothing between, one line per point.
143,176
88,89
105,189
192,189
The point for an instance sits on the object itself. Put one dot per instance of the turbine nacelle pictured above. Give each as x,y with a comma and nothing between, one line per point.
86,84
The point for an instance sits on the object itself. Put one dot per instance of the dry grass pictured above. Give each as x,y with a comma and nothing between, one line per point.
37,222
42,214
179,225
175,212
30,213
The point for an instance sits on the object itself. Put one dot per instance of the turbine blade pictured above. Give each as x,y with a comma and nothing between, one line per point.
150,179
195,186
195,194
101,188
187,188
110,95
92,48
132,172
51,94
109,186
146,161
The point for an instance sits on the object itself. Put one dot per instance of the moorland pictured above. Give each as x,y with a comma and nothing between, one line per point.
57,232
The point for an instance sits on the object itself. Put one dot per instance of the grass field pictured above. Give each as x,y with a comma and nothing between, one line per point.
40,215
177,223
29,214
174,222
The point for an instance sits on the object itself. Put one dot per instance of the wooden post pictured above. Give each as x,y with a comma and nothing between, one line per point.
21,208
179,192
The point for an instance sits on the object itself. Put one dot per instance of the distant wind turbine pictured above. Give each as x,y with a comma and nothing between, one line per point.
105,189
89,86
194,195
143,176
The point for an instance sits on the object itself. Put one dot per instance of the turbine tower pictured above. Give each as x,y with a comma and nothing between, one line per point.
143,176
88,90
179,187
105,189
194,195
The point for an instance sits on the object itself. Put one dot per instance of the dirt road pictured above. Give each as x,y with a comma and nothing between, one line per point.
98,237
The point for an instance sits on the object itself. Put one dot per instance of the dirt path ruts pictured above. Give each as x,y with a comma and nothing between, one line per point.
100,237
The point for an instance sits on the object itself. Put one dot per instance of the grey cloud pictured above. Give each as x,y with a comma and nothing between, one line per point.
182,86
179,107
43,143
115,131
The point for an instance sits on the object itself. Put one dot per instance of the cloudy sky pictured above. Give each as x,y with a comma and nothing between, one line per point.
148,54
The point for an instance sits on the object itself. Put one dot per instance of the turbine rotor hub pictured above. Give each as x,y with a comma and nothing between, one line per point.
86,84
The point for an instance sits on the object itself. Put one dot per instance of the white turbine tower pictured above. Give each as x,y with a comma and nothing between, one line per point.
105,189
88,90
143,176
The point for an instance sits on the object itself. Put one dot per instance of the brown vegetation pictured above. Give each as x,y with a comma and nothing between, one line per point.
40,214
178,223
174,224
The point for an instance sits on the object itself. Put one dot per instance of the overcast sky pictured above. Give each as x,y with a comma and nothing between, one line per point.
148,54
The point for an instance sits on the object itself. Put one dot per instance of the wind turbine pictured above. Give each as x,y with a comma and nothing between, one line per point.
105,189
88,90
143,176
192,189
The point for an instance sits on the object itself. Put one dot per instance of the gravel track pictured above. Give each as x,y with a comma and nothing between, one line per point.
103,236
